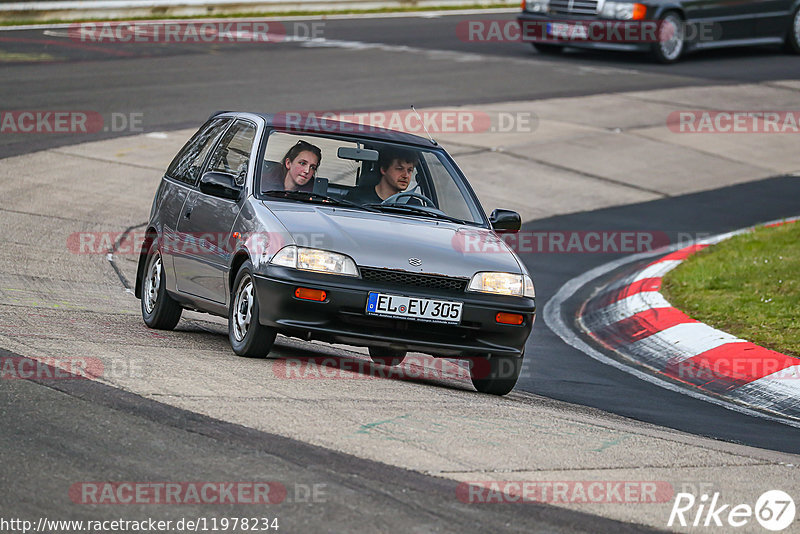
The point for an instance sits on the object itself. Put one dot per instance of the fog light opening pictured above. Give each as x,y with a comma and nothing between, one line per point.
305,293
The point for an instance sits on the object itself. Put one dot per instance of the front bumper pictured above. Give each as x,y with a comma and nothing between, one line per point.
533,29
341,317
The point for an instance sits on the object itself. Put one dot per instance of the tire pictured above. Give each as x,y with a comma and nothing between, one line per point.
792,42
496,375
548,49
159,310
247,336
670,50
390,357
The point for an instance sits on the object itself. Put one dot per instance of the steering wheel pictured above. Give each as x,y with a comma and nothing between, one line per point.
405,194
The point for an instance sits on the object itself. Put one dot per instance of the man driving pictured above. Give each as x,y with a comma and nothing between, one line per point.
397,168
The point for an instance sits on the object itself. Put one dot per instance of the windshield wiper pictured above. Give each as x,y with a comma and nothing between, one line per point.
317,198
417,210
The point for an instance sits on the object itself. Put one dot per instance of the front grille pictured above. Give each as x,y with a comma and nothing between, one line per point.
406,279
573,7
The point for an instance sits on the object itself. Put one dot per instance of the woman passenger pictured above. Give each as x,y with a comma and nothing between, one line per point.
297,169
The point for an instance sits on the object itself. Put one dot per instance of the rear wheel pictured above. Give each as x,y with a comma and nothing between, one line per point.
390,357
549,49
159,310
248,337
792,43
495,375
671,38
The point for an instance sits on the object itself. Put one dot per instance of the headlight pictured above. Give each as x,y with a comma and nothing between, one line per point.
503,284
311,259
537,6
623,11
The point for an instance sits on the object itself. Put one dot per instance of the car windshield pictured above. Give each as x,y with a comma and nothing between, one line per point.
373,175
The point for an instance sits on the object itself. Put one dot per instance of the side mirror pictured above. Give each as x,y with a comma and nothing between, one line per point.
218,184
505,221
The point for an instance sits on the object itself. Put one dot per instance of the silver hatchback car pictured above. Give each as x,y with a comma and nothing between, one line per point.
337,232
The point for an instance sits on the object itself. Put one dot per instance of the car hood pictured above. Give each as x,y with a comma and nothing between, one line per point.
388,241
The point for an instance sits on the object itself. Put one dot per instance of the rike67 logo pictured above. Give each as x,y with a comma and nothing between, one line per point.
774,510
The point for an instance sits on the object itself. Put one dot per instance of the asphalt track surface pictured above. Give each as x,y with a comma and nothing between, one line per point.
84,431
177,86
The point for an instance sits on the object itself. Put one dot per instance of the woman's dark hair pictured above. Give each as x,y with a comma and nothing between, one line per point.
301,146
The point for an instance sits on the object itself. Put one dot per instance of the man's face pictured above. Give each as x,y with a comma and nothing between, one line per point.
398,174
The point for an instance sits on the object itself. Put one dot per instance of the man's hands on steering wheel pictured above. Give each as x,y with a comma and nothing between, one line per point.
395,199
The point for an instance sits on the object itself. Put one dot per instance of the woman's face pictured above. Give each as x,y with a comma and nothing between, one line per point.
301,170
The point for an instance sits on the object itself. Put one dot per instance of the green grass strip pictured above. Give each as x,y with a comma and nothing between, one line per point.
748,286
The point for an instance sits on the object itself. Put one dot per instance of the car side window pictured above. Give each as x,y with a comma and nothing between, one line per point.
233,152
189,162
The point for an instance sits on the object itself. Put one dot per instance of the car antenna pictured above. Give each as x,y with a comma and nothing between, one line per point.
423,125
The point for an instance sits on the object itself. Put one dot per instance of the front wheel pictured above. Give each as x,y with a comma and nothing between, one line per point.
792,42
671,39
495,375
390,357
548,49
159,310
248,337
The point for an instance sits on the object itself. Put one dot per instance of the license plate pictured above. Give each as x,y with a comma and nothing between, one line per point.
566,31
414,308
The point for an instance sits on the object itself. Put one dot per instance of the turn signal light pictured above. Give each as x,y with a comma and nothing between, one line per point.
639,11
310,294
509,318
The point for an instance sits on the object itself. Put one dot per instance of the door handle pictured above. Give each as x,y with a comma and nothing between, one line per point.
188,214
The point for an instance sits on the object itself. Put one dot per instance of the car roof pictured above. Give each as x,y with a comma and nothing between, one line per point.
312,123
